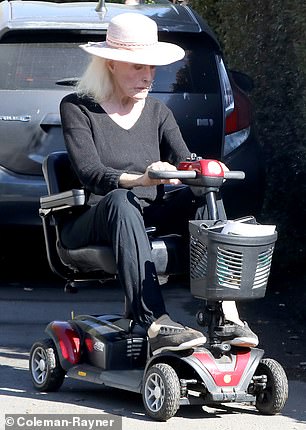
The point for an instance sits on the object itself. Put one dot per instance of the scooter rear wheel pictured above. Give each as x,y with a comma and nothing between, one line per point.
161,392
272,399
46,371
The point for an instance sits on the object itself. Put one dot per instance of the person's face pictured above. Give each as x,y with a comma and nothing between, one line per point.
132,80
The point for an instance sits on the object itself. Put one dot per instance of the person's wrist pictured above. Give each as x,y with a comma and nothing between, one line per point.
129,180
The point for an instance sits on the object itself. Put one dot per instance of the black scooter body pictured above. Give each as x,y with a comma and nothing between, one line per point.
112,351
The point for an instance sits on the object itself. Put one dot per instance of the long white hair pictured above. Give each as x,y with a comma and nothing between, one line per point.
96,81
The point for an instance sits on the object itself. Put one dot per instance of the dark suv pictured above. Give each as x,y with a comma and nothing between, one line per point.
41,61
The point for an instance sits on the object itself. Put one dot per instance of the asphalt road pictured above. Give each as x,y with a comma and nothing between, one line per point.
27,307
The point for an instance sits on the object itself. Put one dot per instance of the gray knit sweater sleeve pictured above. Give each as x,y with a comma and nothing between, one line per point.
100,150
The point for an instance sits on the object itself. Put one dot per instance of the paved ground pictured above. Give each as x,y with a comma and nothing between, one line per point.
26,308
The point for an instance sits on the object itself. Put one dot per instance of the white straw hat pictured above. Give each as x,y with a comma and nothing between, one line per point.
132,38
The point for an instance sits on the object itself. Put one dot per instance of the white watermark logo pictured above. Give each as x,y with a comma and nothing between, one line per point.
63,422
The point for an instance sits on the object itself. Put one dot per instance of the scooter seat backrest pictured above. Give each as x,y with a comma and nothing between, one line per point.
59,174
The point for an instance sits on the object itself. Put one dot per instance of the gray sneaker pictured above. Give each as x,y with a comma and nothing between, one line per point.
175,339
236,335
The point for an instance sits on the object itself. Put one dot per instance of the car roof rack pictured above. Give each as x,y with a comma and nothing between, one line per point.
101,6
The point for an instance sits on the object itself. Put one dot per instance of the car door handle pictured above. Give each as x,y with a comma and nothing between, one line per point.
50,120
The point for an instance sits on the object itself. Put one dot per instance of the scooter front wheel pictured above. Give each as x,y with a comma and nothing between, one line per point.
273,397
46,371
161,392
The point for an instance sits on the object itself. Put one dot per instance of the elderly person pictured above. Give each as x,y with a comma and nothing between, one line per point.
114,133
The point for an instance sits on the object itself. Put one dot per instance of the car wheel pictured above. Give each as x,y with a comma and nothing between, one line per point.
272,398
46,371
161,392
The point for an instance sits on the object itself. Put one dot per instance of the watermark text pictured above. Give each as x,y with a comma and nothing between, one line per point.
62,422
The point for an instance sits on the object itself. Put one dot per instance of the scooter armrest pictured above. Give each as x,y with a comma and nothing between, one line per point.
64,200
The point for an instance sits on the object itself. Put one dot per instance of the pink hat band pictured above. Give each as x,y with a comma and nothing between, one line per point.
127,45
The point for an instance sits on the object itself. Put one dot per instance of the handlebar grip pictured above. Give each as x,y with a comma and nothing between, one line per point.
234,174
172,174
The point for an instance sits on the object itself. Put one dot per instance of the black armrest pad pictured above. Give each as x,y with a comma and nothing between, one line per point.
63,200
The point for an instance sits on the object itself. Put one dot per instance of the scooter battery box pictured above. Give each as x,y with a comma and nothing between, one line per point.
110,347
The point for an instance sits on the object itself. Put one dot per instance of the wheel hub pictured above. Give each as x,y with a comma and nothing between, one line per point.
157,392
42,365
39,365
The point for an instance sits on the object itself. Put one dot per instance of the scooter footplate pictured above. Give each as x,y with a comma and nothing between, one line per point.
123,379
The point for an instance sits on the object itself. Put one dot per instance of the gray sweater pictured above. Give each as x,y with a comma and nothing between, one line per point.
100,150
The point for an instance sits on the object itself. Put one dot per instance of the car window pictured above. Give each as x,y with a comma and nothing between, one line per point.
38,65
46,65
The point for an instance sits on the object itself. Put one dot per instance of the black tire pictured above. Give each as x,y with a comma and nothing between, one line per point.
46,371
272,399
161,392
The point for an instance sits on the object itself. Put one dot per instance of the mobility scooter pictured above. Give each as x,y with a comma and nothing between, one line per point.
113,351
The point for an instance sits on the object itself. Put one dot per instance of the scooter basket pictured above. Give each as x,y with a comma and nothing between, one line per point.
228,267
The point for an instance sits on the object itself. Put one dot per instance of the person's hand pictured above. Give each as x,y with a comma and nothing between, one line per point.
159,165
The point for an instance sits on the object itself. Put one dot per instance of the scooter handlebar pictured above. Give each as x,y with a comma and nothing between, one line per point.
190,174
172,174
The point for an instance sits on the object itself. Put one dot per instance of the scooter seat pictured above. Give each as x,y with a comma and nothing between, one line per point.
166,253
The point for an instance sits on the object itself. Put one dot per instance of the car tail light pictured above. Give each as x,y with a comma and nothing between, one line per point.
240,117
226,86
237,112
237,123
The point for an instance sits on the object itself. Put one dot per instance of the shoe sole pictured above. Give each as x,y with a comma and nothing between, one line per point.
242,341
182,346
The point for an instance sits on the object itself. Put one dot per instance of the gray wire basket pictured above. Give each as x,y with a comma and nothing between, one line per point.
228,267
